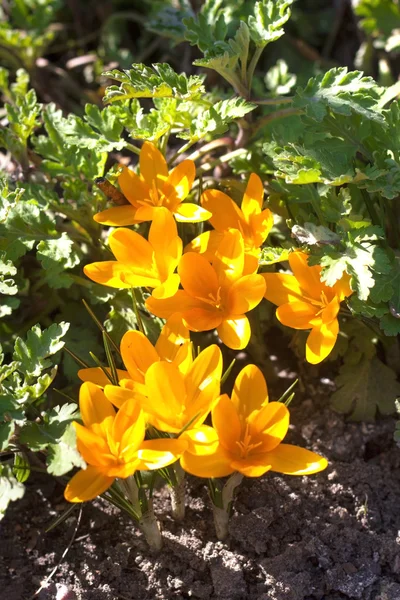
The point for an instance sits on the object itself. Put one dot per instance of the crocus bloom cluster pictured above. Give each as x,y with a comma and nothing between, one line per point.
140,262
154,188
305,302
253,223
246,436
215,295
113,445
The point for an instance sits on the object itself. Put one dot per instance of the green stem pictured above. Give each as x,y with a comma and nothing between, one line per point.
137,313
177,493
222,505
278,114
133,148
272,101
252,66
315,203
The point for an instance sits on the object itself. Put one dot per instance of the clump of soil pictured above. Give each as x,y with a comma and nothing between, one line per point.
331,536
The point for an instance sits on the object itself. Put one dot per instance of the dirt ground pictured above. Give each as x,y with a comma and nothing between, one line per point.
331,536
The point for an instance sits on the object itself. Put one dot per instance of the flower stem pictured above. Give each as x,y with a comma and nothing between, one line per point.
177,493
222,504
150,528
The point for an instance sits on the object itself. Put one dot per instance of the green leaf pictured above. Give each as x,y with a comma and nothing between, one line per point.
10,488
7,284
208,29
272,255
390,325
363,390
33,353
21,468
56,256
311,235
267,23
160,81
6,431
63,455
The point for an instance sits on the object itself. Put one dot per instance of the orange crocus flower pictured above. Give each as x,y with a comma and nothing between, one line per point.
153,188
246,436
215,295
140,262
305,302
113,445
253,223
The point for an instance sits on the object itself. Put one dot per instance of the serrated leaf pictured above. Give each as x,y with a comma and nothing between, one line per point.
33,353
312,235
6,431
56,256
363,390
10,488
390,325
273,255
267,23
21,467
64,456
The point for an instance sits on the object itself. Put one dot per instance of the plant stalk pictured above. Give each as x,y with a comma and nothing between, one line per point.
222,511
177,493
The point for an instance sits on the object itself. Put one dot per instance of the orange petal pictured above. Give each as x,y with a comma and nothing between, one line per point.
108,272
245,294
157,454
129,430
166,397
131,248
96,411
173,334
228,261
282,288
180,181
202,440
87,484
206,244
153,166
133,187
225,412
321,341
166,307
167,246
253,197
216,464
168,288
309,278
118,395
296,314
331,311
191,213
138,354
225,212
97,375
202,384
252,466
250,391
146,212
198,278
235,333
260,226
342,287
117,216
293,460
203,318
93,447
269,426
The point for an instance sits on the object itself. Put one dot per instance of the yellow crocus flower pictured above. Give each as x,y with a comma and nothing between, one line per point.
113,445
246,436
155,187
140,262
253,223
215,295
305,302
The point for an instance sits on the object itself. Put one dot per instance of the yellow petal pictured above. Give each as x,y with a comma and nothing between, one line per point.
331,311
146,212
342,287
253,197
206,244
296,314
108,272
252,466
86,485
245,294
321,341
228,261
153,166
191,213
173,334
93,447
117,216
129,429
282,288
198,278
178,303
133,187
269,426
260,226
138,354
309,278
184,357
118,395
224,412
131,248
225,212
97,375
201,441
251,263
96,411
293,460
235,333
202,384
168,288
157,454
167,246
124,470
250,391
203,318
180,181
166,396
216,464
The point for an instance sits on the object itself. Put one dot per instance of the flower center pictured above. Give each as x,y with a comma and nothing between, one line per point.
245,446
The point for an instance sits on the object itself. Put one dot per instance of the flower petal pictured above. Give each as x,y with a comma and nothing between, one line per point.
198,278
342,287
133,187
118,395
296,314
216,464
206,244
153,166
93,447
250,391
131,248
331,311
191,213
108,272
308,277
97,375
178,303
203,318
202,384
129,430
225,212
253,197
252,466
117,216
96,411
245,294
167,246
260,226
173,334
321,341
180,181
235,333
269,426
225,412
86,484
168,288
202,440
156,454
293,460
228,261
166,397
282,288
138,354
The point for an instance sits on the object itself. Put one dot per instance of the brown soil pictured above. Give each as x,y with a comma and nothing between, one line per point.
327,537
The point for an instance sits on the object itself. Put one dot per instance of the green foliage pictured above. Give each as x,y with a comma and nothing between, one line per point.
267,23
